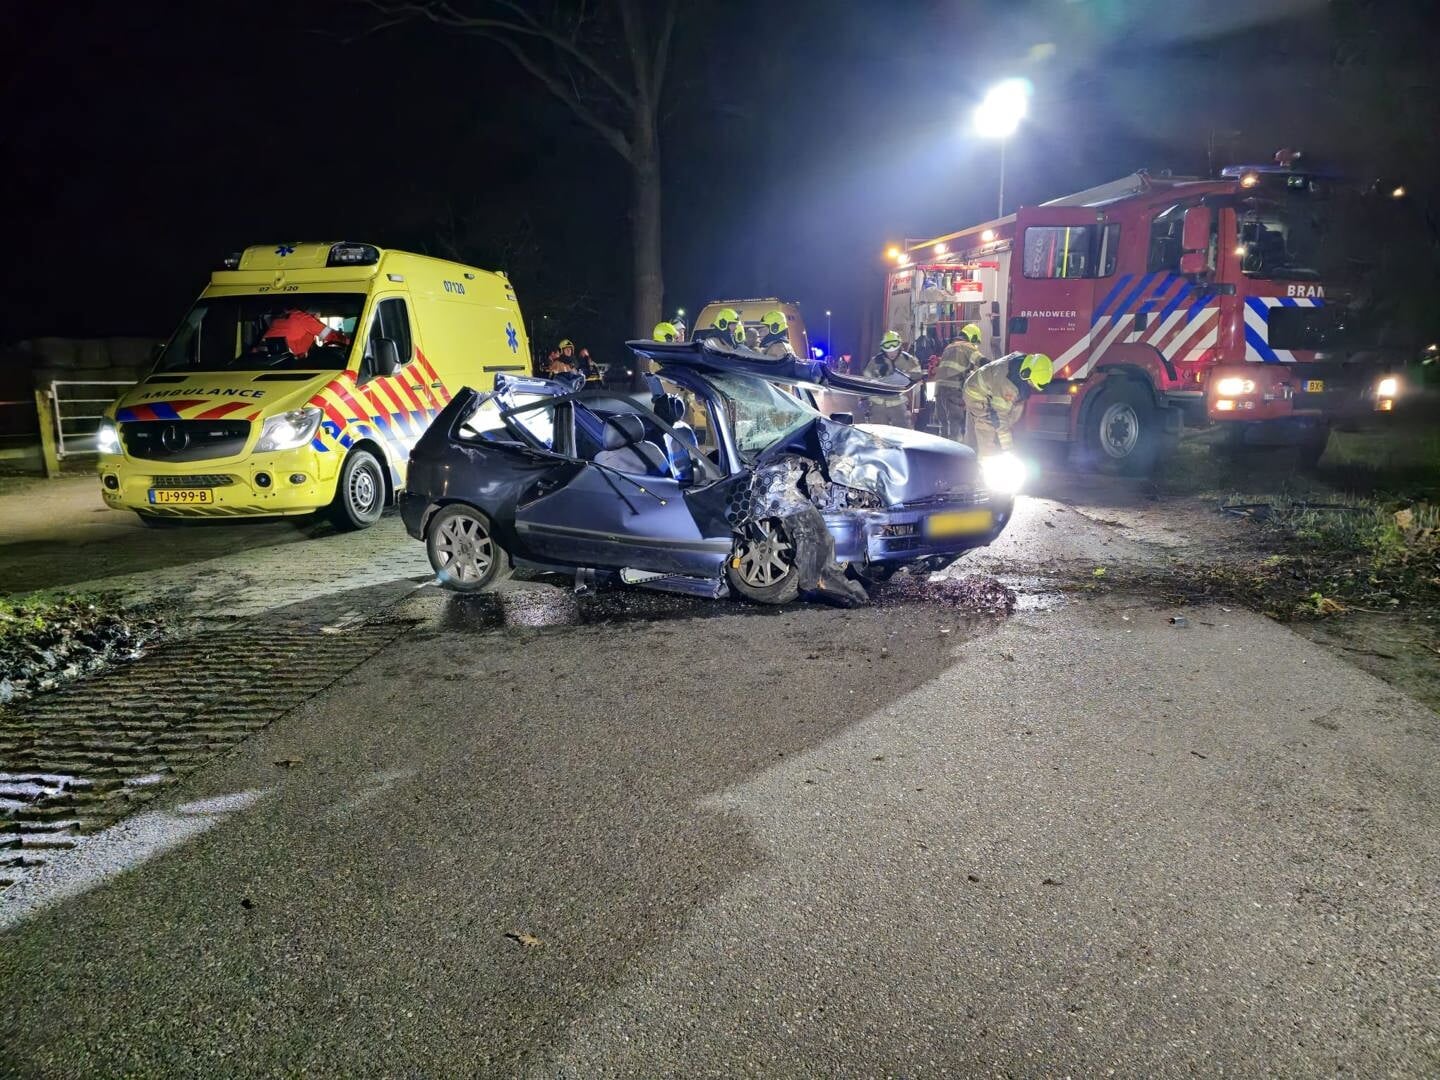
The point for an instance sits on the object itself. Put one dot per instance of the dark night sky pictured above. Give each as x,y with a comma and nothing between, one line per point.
144,140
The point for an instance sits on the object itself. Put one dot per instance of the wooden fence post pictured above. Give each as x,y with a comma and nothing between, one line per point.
48,449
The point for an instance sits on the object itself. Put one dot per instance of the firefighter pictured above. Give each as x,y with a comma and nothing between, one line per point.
576,359
726,329
666,332
776,339
888,361
995,398
960,358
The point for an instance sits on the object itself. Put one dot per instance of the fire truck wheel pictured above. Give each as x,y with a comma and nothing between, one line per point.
1122,432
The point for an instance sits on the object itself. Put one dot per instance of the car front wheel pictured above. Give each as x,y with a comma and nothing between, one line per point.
762,567
463,552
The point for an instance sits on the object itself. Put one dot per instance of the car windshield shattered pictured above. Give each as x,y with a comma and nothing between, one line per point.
761,414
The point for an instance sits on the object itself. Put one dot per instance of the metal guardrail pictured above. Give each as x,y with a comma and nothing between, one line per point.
75,430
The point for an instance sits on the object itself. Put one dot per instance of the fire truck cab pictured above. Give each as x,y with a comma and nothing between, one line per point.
1161,301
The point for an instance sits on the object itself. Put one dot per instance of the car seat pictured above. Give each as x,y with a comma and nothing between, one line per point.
626,450
678,447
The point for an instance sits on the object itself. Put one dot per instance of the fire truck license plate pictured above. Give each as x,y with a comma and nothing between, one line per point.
958,523
1314,386
181,496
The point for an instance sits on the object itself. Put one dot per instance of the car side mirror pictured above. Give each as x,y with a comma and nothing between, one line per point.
387,357
843,417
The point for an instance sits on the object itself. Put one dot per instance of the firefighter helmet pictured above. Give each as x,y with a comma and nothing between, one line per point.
775,321
1037,369
727,320
566,344
665,331
890,343
971,331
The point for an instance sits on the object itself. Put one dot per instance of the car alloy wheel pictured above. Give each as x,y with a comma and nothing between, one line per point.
463,550
766,556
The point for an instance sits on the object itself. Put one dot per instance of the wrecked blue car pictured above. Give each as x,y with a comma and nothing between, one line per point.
720,477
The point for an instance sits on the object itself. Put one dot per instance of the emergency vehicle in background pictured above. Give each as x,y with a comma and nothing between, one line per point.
752,313
1160,300
300,380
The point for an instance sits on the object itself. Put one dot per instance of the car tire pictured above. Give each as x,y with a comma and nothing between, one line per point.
762,567
1122,429
360,493
463,551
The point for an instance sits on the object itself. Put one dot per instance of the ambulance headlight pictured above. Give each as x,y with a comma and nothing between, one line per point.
107,438
1003,474
289,430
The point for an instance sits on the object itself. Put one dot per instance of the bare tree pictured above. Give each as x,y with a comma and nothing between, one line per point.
607,63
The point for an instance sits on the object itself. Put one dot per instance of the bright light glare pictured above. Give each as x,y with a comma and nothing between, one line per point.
902,259
892,252
1003,473
1234,387
987,235
1388,387
1003,107
1249,180
940,249
1398,193
107,439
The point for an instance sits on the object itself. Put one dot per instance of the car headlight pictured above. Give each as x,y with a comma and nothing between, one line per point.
1004,474
289,430
1388,387
107,438
1234,387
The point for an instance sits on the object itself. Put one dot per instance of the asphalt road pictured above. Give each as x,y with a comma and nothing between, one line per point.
617,837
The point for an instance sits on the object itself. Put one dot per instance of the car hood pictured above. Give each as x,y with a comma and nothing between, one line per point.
897,464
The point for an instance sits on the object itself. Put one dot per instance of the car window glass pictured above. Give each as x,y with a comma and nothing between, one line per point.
697,415
539,423
392,321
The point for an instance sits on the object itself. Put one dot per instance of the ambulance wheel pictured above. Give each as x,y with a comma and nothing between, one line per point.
1122,431
360,494
463,552
762,567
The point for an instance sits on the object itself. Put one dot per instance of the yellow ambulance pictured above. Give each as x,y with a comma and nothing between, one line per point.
300,380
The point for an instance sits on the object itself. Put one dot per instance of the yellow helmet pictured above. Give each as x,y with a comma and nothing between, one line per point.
1037,369
775,321
665,331
565,344
891,341
971,331
728,320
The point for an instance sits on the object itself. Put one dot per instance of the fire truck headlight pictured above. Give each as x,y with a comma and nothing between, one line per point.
1388,387
107,438
1234,387
1004,474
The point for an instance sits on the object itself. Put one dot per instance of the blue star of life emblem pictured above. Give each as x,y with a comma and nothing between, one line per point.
284,249
511,338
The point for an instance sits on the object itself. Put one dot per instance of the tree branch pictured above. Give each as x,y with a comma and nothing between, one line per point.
611,134
442,13
662,52
632,22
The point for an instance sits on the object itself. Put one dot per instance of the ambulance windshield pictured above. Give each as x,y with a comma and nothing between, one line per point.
294,332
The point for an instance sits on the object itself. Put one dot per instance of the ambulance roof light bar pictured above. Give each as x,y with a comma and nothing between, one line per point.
353,255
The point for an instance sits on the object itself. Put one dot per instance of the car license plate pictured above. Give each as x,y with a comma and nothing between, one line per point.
958,523
181,496
1314,386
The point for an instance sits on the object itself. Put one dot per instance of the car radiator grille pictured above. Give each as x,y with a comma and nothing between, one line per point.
192,480
184,440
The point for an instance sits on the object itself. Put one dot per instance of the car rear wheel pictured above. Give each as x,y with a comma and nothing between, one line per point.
762,567
463,552
360,494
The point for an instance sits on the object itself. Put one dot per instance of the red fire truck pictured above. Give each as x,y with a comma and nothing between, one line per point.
1162,301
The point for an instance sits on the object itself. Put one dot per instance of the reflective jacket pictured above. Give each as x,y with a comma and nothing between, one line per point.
996,391
881,365
958,360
